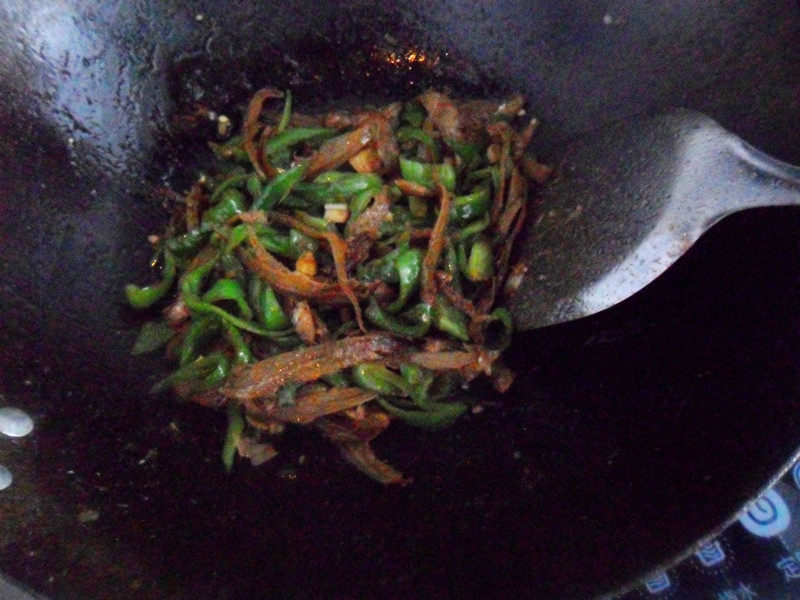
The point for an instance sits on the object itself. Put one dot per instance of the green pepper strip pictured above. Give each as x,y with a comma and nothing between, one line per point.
294,136
231,202
359,202
419,380
409,265
277,189
480,265
187,243
318,223
347,184
437,415
315,193
471,206
422,314
286,114
232,435
190,288
475,227
480,174
377,378
427,174
206,372
230,150
415,134
152,336
272,240
300,242
450,265
469,154
383,268
254,185
268,309
462,257
229,289
231,182
144,297
199,332
240,348
451,320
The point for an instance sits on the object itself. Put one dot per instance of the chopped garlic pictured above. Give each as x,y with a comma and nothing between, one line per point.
366,161
223,125
337,213
306,264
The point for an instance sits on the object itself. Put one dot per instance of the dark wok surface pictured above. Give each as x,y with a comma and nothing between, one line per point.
628,436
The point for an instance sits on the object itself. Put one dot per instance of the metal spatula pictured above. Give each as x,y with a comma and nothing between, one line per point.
627,202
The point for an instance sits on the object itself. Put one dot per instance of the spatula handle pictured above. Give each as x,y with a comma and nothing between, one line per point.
756,179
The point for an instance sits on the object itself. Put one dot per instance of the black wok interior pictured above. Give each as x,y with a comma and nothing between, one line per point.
628,435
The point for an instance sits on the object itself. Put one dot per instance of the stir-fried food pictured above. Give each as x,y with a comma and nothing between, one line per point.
344,270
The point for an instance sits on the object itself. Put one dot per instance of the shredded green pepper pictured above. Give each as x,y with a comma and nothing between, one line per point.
144,297
416,324
428,174
276,190
234,433
248,323
409,266
292,137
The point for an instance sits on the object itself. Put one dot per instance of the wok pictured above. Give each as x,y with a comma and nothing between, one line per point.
628,435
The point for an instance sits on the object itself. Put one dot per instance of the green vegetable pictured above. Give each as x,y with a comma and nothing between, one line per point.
292,137
277,189
428,174
474,228
414,324
450,320
229,289
187,243
451,266
471,206
231,202
338,379
242,351
200,331
190,288
406,134
408,265
203,373
230,150
152,336
373,313
436,416
144,297
377,378
233,435
287,113
381,269
234,181
480,265
419,381
269,311
254,185
359,202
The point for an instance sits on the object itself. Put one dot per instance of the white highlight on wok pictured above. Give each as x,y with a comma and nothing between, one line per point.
15,422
